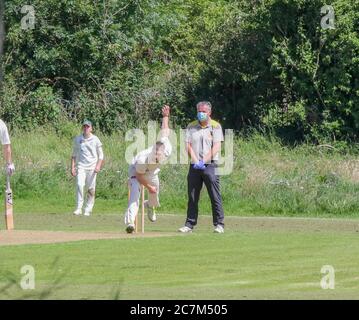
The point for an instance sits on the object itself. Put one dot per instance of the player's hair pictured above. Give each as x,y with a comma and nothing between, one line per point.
204,103
159,144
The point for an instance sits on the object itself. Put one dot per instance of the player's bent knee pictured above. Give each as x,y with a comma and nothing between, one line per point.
91,192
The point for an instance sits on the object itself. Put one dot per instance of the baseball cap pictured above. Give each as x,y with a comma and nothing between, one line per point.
87,123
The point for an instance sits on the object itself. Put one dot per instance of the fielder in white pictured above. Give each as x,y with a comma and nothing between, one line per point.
86,161
144,171
5,141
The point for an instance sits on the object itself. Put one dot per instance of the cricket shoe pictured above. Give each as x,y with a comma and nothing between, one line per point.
130,228
151,213
218,229
185,229
77,212
87,213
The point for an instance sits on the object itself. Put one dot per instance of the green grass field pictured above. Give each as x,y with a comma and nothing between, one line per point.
257,258
289,211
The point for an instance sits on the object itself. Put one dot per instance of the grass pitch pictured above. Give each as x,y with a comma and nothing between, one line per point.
257,258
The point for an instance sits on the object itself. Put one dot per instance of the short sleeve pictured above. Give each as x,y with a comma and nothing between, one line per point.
168,147
188,135
218,134
75,148
98,143
4,134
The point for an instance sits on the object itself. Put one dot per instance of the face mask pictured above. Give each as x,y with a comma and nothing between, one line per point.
202,116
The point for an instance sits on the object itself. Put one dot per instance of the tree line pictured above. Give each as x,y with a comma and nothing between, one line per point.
268,65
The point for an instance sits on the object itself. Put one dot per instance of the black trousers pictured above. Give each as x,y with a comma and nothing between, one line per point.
195,181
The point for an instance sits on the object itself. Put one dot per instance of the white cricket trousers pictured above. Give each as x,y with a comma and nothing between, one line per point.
86,183
135,193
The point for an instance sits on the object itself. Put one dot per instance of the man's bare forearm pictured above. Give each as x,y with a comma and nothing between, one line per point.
212,153
165,122
99,163
141,179
191,152
73,162
165,129
7,153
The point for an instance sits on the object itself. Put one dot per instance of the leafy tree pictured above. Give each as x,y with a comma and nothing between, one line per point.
264,64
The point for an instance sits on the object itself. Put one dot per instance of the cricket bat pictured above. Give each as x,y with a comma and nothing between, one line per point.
9,218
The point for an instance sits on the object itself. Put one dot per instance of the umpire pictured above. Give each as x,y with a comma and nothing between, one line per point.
203,143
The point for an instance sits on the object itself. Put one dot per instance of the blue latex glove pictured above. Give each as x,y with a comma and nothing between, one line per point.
199,165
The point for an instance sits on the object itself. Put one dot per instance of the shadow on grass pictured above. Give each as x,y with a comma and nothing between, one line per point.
12,284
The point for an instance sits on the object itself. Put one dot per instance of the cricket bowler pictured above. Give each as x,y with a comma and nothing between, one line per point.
86,162
144,171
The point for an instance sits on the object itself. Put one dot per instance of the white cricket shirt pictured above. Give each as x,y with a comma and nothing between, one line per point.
4,134
142,163
87,152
